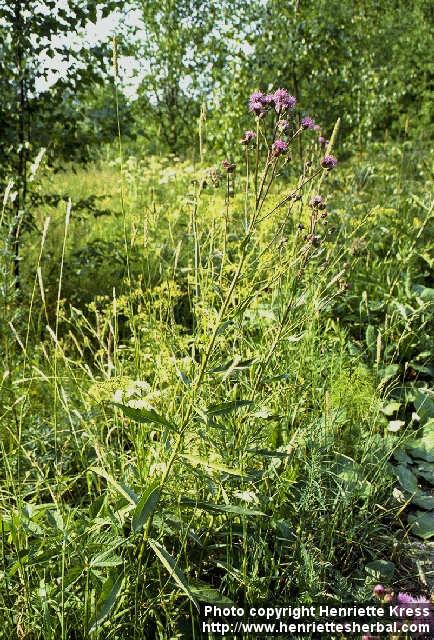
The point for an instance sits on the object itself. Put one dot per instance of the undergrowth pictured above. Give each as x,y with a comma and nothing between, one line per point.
195,382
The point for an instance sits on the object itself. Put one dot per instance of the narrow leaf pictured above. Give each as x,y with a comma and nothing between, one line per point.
145,416
221,508
119,486
146,506
227,407
107,600
175,572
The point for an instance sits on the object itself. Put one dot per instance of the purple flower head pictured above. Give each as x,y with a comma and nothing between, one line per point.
328,162
269,99
404,598
379,591
248,137
279,147
283,101
257,102
316,127
282,125
407,598
228,166
317,202
307,123
323,142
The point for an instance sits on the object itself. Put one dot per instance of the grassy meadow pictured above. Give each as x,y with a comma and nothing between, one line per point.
207,399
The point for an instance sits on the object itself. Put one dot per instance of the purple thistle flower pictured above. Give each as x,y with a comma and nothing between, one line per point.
407,598
322,141
404,598
283,100
279,147
379,591
257,102
269,99
317,202
328,162
282,125
307,123
248,137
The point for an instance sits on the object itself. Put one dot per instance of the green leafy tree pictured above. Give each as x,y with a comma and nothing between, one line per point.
31,34
186,47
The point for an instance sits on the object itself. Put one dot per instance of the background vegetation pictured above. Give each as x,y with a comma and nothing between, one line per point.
208,396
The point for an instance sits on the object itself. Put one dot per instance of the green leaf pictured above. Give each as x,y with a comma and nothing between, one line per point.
401,457
144,415
424,406
121,488
406,478
175,572
212,465
146,506
232,365
205,593
380,568
391,408
107,600
227,407
371,338
425,470
424,293
423,447
388,372
423,522
423,500
221,508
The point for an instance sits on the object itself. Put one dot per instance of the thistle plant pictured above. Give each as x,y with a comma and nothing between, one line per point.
268,156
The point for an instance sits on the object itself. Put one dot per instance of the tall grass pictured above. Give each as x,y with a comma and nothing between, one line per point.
203,422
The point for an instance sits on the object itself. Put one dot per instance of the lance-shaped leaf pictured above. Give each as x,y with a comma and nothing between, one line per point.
120,487
212,465
146,416
107,600
227,407
175,572
146,506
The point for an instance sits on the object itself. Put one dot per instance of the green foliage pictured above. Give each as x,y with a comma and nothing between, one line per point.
212,391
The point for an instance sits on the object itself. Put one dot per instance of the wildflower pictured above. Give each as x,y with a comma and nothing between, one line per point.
316,127
269,99
257,102
282,125
229,167
407,598
279,147
328,162
317,202
323,142
378,591
248,137
307,123
283,101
